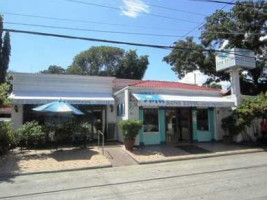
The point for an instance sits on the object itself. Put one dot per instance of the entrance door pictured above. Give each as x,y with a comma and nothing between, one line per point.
95,116
178,125
184,123
171,126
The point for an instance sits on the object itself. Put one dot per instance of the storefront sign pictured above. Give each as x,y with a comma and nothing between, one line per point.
184,104
241,58
158,100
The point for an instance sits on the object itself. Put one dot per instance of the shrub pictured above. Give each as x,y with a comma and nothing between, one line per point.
130,128
7,137
64,132
31,133
243,116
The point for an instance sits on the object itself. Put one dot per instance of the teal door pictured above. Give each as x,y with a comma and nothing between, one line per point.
203,124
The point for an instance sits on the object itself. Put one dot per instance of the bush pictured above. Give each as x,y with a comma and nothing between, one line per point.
130,128
64,132
243,116
7,137
31,133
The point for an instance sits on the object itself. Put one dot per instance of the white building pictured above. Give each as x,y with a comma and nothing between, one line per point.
171,112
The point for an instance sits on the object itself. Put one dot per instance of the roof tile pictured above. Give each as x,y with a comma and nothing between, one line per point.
172,85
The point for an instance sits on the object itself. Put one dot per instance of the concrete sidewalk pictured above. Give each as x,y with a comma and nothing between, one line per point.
118,157
166,153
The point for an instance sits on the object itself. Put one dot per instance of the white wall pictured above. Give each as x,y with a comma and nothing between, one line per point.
111,117
251,133
17,117
254,131
119,99
220,113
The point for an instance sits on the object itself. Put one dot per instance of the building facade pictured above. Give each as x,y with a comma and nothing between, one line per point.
171,112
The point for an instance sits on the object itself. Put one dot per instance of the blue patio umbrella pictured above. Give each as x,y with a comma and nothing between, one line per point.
58,107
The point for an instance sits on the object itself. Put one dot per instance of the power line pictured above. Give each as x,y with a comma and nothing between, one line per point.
201,24
148,14
118,32
87,39
175,9
92,30
86,21
229,3
119,42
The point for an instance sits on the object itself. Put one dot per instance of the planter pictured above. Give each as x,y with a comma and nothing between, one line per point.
129,144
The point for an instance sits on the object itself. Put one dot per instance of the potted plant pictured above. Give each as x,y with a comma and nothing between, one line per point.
130,129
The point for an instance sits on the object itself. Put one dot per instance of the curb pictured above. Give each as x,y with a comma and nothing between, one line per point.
194,156
53,171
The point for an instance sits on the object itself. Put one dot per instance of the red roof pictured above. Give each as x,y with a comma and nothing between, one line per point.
6,110
172,85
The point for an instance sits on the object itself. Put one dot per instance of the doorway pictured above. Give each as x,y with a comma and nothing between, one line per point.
178,125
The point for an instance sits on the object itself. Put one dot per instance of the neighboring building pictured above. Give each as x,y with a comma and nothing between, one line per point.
5,114
171,112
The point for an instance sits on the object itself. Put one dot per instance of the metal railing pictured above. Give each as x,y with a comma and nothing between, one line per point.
103,140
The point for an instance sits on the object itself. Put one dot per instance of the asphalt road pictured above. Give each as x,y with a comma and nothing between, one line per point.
229,177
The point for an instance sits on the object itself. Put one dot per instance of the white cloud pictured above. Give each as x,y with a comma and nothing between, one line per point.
200,79
133,8
263,38
190,78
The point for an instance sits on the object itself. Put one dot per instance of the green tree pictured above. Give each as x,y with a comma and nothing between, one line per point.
54,69
132,67
241,27
109,61
5,50
4,93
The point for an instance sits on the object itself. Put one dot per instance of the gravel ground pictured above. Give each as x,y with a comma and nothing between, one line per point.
151,153
50,160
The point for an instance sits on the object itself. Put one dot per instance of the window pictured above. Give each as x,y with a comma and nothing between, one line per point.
120,109
202,120
151,120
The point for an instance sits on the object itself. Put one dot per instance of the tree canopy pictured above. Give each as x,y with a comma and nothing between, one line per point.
4,94
131,66
54,69
243,26
109,61
5,50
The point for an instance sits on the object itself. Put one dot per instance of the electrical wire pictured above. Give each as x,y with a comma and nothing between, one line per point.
120,9
120,42
85,21
229,3
202,24
175,9
93,30
120,32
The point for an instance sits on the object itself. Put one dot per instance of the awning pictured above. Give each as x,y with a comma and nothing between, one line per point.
90,100
166,100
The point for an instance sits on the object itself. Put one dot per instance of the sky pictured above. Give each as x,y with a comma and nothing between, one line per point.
35,53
